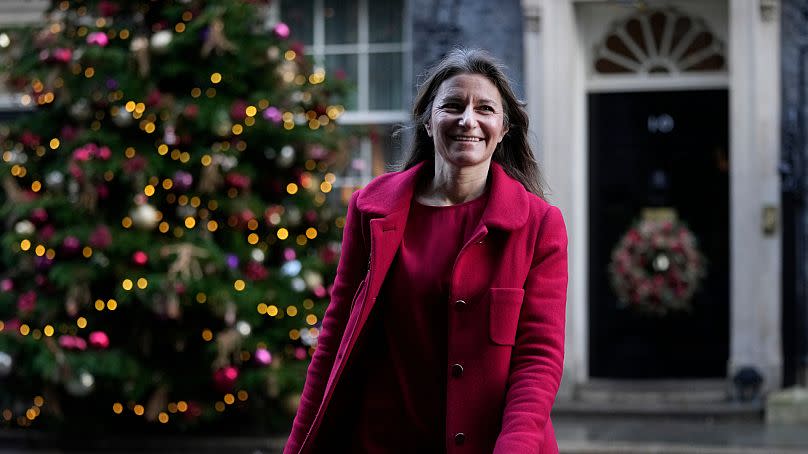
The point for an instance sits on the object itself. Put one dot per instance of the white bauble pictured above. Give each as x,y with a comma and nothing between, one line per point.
80,110
257,255
81,385
6,363
144,216
55,179
287,156
123,118
161,40
243,328
24,228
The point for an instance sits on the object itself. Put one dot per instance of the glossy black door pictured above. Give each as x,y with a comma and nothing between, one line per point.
659,149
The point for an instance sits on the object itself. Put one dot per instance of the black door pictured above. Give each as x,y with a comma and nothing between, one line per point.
665,149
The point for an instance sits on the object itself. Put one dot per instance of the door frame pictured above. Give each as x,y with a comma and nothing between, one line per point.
556,96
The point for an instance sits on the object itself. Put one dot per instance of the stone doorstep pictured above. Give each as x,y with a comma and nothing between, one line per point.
788,406
588,447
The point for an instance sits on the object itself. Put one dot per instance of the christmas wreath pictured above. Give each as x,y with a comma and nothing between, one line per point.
656,267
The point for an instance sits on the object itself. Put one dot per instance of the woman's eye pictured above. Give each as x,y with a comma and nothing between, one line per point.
488,109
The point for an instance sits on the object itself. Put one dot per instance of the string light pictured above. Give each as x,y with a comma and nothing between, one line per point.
239,285
272,310
291,311
262,308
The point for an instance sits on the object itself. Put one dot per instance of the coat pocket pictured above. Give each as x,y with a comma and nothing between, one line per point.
504,306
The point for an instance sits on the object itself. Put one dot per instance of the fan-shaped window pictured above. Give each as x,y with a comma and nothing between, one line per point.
660,41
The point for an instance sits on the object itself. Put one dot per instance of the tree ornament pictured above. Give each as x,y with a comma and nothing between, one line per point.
262,356
257,255
140,258
26,303
273,114
69,342
221,123
71,246
170,135
281,30
215,40
123,118
224,379
287,156
78,295
161,41
291,268
99,39
25,227
99,339
144,216
6,285
309,337
6,364
80,110
140,48
243,328
55,180
183,180
101,237
186,264
81,384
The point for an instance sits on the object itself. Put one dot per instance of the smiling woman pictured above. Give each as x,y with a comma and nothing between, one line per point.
445,331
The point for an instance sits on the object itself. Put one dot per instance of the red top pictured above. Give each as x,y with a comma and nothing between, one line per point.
402,407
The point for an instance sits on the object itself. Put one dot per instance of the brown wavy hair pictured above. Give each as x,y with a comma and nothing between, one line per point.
514,152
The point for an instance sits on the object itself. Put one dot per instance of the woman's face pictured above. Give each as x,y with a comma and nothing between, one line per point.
467,120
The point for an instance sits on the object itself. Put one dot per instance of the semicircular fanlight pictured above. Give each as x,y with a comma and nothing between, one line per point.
659,41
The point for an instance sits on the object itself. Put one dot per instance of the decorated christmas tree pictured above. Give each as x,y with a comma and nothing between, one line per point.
167,234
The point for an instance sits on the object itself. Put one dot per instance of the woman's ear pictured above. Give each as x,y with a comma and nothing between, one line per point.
428,129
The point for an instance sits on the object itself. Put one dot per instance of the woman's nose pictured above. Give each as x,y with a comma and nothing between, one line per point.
467,118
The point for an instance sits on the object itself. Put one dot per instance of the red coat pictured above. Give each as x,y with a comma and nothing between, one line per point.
506,316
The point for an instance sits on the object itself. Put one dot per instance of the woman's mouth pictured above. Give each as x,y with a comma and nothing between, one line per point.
466,139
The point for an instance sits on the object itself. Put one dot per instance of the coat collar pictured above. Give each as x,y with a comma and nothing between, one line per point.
393,192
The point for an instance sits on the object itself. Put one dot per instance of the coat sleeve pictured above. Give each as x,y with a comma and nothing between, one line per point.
538,355
351,269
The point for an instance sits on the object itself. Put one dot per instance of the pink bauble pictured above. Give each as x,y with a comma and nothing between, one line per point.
225,378
6,285
99,339
140,258
282,30
98,39
263,356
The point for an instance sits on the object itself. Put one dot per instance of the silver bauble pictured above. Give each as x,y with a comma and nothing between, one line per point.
80,110
287,156
81,385
6,363
123,118
144,217
55,179
25,227
161,40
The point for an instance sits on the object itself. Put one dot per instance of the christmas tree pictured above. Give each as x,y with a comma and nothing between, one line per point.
167,237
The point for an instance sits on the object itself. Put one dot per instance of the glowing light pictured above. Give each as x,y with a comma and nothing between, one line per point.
291,311
262,308
250,111
87,252
272,310
308,303
237,129
117,408
139,410
25,329
291,188
201,298
190,222
127,284
148,190
301,240
252,238
142,283
40,250
294,334
167,184
239,285
126,222
215,78
219,406
163,417
325,187
164,227
81,322
311,233
179,28
39,401
311,319
207,335
196,92
182,406
229,399
289,55
242,395
54,143
48,330
25,245
112,304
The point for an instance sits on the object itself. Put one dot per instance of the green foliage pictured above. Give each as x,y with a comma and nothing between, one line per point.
165,186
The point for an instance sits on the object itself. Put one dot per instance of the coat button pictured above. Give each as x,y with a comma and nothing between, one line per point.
457,370
460,305
460,438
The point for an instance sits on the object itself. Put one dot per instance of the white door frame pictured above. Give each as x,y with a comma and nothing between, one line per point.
556,88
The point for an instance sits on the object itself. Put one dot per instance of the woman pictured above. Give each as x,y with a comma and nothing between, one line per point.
445,331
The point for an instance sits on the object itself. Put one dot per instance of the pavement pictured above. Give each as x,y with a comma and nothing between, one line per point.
576,434
604,434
